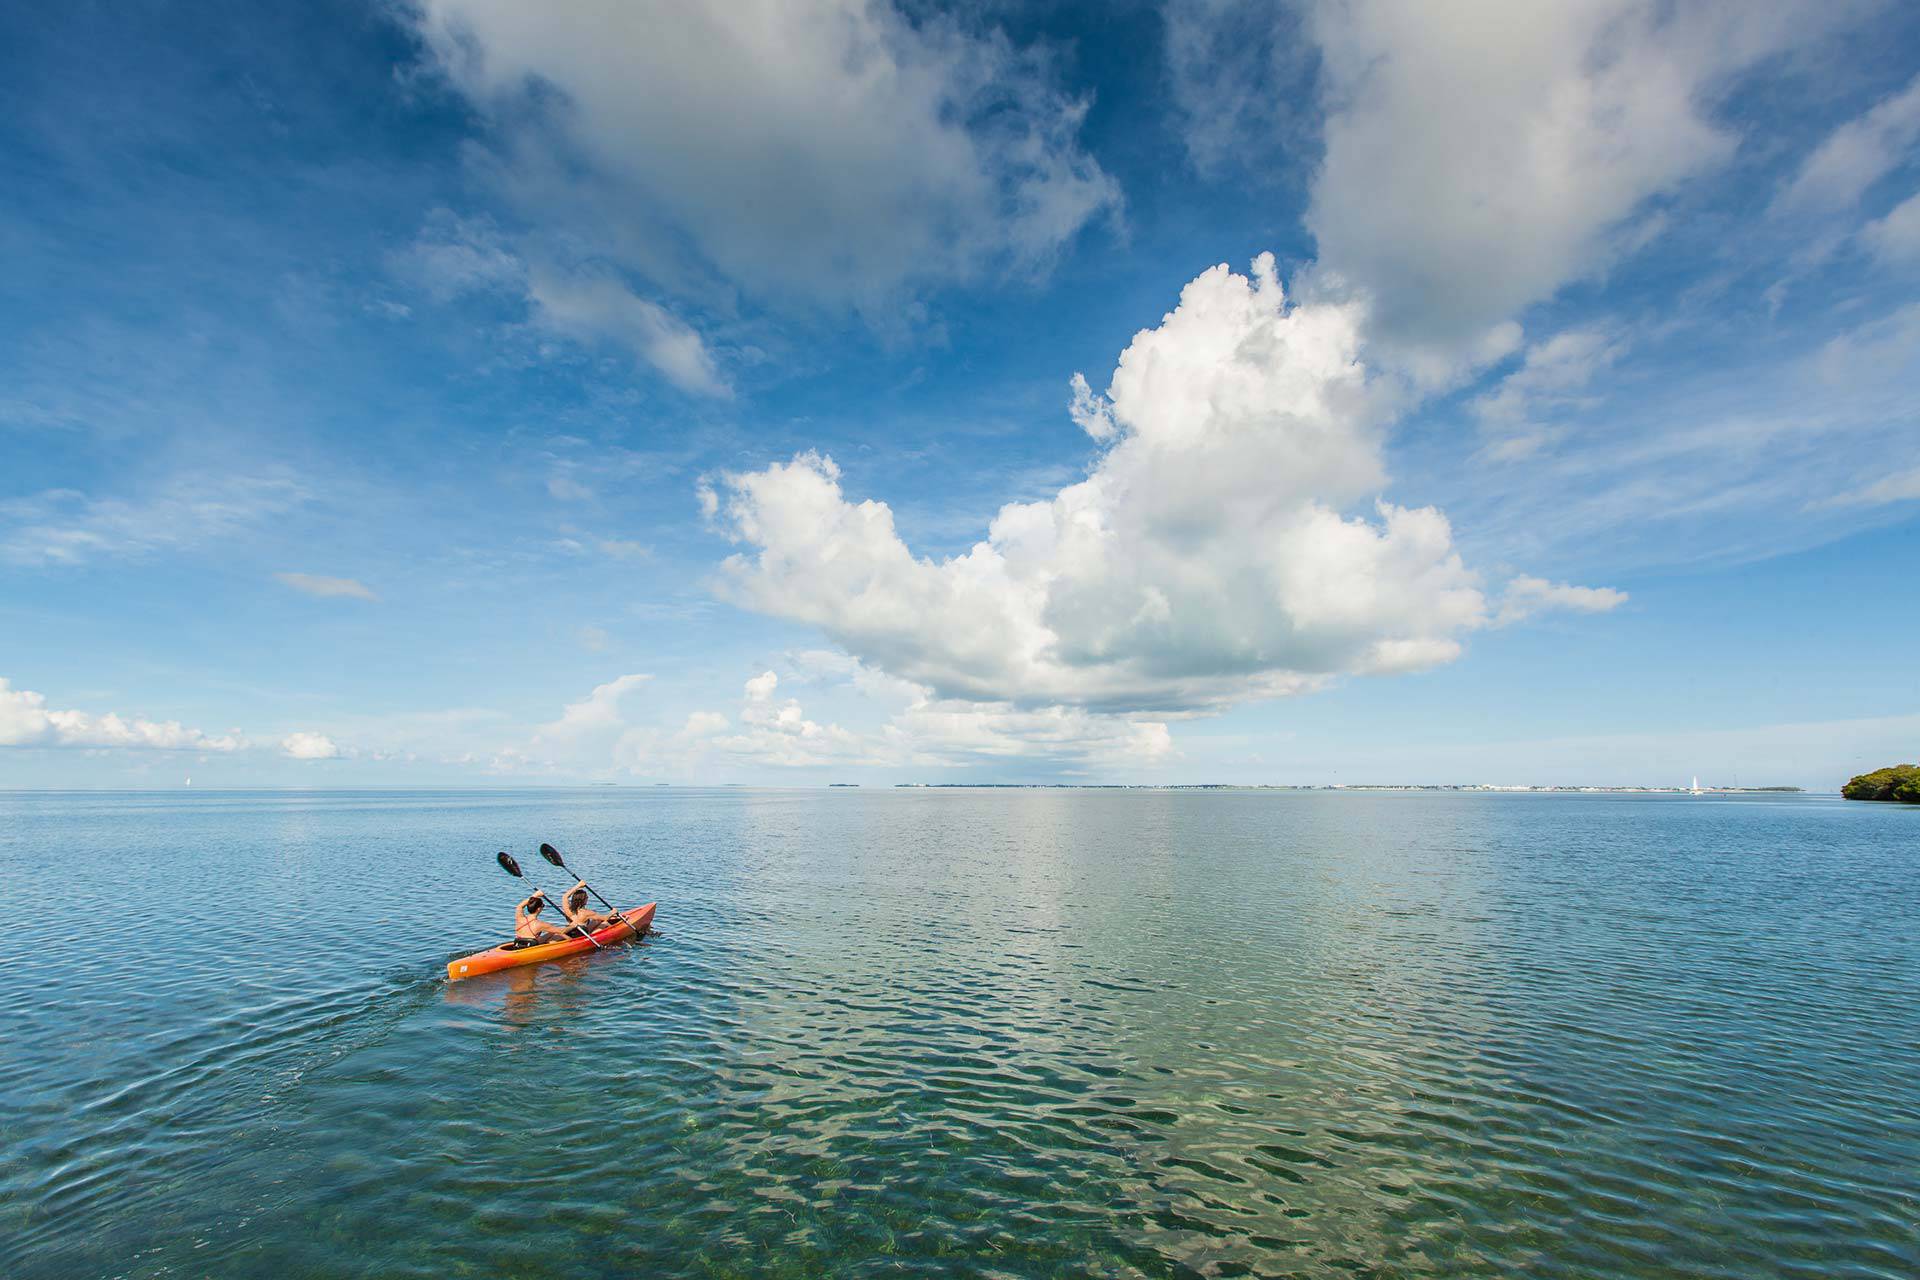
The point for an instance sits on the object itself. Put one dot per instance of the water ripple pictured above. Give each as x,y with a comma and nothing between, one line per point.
999,1034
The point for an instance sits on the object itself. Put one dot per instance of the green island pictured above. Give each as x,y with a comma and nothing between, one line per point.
1899,782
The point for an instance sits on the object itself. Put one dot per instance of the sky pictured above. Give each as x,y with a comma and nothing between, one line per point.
783,392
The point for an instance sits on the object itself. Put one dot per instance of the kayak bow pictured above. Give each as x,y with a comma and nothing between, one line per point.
631,924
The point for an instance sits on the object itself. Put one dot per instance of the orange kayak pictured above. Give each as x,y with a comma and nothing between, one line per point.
631,924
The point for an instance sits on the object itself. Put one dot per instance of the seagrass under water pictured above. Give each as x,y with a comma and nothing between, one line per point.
1020,1033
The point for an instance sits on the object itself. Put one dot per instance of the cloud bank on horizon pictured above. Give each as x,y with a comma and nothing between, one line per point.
27,721
1549,278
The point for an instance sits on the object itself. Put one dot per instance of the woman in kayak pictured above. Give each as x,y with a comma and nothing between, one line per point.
527,924
574,903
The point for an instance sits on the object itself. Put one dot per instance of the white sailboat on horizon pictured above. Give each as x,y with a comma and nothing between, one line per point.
1696,789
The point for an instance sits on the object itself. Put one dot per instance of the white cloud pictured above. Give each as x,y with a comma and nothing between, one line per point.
26,721
970,732
309,746
1856,155
1481,154
327,588
61,526
1205,560
1091,413
704,724
780,734
825,150
594,307
1895,239
1527,596
595,716
594,639
625,549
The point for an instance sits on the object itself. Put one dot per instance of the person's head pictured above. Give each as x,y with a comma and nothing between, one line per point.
534,904
576,901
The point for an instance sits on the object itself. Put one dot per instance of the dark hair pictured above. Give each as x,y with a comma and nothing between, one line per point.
576,900
535,902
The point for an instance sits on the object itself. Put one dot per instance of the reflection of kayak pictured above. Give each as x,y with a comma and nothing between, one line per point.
631,925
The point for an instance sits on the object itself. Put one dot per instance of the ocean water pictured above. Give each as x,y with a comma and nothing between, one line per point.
994,1033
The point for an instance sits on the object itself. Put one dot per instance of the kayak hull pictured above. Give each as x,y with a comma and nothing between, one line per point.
632,924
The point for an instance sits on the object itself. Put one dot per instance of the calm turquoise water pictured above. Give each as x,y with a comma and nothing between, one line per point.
1012,1033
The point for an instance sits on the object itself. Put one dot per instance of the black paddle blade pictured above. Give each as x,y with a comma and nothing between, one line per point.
552,855
507,863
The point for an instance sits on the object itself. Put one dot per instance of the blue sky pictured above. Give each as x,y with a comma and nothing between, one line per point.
787,393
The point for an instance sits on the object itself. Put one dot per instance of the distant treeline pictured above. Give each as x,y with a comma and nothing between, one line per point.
1896,782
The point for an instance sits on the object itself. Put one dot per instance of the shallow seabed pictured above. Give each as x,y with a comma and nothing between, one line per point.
1002,1033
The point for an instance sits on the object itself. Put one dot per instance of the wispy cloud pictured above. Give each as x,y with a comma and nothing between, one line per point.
589,305
66,526
1517,416
1876,353
1900,486
326,588
1855,156
594,307
1527,596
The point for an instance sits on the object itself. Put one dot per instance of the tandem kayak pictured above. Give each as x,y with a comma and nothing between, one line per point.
631,924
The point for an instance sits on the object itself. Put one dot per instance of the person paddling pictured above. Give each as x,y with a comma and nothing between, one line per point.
528,927
574,903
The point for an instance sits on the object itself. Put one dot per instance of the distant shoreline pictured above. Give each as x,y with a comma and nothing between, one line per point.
1339,786
459,789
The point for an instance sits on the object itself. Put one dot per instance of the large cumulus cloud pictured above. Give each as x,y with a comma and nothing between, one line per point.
1227,544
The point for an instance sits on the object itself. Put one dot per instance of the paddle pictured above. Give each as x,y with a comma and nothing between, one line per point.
512,868
552,855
